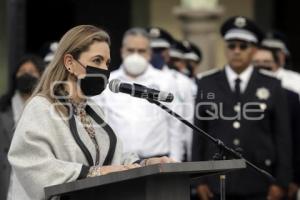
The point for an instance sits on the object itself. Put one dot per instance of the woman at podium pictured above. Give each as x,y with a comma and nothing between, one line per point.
62,135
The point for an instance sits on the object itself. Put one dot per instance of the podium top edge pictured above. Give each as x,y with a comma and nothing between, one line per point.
187,168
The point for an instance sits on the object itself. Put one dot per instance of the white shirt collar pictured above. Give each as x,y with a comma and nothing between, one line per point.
279,73
244,77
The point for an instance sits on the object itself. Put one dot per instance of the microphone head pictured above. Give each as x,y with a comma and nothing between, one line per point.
114,85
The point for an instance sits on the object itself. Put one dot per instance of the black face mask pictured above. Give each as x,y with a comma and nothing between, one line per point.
26,83
95,81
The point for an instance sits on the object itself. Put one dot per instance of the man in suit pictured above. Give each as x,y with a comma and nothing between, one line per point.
247,110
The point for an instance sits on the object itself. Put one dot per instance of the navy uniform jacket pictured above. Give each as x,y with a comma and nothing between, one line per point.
294,108
266,142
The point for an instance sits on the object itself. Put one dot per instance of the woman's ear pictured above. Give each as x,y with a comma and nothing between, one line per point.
69,63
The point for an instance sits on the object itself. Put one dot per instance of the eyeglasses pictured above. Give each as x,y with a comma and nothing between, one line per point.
242,45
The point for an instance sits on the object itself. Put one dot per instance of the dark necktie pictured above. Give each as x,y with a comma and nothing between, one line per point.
237,88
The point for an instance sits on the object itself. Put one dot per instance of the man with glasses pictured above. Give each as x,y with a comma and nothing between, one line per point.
247,110
143,127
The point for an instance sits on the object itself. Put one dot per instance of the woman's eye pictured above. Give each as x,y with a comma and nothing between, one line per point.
97,61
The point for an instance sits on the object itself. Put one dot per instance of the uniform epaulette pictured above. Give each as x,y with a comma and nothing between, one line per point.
267,73
207,73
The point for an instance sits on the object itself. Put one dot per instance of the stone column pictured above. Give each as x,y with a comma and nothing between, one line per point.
200,25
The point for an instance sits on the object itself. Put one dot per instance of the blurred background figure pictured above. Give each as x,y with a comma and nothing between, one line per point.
193,58
177,59
160,43
276,42
268,59
23,80
185,88
49,55
143,127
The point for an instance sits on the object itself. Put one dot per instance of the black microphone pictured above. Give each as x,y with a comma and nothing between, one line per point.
140,91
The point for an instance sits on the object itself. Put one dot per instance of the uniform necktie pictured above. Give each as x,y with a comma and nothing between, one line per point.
237,88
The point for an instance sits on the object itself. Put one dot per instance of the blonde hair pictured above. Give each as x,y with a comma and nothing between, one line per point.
74,42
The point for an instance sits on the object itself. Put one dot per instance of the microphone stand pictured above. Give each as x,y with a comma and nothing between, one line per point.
224,149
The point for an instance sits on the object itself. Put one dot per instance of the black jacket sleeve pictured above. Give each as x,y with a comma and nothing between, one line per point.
198,142
282,137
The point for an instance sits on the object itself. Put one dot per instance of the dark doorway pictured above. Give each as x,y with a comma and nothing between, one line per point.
286,16
48,20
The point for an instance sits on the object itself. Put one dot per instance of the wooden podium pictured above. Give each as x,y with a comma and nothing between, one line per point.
155,182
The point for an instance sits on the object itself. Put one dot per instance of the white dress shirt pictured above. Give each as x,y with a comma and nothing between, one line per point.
186,93
143,127
244,77
290,80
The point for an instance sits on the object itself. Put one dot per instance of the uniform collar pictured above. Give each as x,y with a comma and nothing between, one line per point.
280,72
244,77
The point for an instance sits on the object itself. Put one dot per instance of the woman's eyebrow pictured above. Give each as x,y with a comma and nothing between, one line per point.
98,56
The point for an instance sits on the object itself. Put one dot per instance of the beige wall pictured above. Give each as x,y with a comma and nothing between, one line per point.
3,47
238,7
161,14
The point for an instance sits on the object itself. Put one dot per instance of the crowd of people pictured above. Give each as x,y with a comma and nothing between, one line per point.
59,122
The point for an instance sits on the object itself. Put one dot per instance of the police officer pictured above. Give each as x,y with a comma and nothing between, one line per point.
192,56
267,58
262,135
277,42
162,45
177,59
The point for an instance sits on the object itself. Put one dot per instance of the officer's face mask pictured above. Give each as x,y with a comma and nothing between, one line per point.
135,64
26,83
157,60
95,80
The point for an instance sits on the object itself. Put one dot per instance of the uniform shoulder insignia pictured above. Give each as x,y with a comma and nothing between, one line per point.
207,73
267,73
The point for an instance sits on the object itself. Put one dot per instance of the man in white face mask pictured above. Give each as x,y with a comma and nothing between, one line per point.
135,53
143,127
